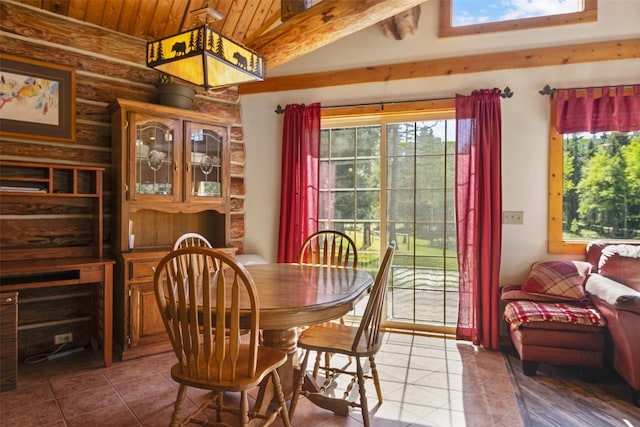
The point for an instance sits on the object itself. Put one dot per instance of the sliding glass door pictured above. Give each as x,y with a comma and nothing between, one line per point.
393,179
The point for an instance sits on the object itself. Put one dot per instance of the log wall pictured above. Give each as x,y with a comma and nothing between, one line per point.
108,65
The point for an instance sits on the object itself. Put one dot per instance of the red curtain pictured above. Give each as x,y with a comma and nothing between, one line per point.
300,178
479,215
609,112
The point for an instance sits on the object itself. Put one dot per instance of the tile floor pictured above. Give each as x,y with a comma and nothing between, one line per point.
426,381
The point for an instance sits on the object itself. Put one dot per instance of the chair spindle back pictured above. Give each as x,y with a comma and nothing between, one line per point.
200,291
329,247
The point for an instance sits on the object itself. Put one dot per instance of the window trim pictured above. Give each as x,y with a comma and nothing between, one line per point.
556,242
446,28
398,109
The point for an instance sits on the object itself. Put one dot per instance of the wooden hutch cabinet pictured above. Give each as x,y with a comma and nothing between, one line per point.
172,176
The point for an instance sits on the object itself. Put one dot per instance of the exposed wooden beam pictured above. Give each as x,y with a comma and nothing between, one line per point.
537,57
322,24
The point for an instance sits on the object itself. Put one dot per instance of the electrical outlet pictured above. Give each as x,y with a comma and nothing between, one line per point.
63,338
513,217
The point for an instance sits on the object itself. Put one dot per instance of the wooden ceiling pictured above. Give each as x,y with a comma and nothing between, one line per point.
254,23
154,19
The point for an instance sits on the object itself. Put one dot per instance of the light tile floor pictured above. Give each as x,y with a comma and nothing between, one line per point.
426,381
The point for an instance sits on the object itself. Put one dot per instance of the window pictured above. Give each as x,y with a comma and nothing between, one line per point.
350,188
462,17
391,176
594,187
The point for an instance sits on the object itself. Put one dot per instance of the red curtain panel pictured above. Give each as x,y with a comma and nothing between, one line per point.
479,215
300,178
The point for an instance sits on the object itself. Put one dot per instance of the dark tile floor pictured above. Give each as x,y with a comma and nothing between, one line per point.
426,381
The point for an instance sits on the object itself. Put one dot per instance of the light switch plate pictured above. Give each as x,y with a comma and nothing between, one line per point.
513,217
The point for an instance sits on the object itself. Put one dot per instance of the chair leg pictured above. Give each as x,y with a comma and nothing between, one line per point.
298,389
363,394
244,409
316,365
175,417
327,364
284,413
376,379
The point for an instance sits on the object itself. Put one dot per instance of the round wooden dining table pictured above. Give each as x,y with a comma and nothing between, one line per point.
295,295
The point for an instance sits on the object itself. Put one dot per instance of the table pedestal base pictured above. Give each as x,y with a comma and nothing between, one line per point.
284,339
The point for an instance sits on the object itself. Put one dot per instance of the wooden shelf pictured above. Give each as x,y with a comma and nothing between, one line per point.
43,179
50,210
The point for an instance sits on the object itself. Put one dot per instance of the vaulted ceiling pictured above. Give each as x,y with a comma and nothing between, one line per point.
254,23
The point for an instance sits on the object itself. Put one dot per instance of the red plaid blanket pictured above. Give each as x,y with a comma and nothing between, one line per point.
518,312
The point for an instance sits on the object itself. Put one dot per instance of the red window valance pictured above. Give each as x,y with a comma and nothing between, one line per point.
613,110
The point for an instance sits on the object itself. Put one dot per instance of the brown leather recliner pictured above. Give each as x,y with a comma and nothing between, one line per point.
615,292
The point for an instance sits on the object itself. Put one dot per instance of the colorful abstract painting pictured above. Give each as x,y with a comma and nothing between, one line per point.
29,98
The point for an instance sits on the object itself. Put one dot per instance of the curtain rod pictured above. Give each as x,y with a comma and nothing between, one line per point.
548,90
505,93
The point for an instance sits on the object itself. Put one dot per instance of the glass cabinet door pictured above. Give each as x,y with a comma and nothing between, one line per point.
204,154
153,168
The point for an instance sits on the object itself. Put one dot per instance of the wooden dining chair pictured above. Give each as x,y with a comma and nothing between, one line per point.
191,239
329,247
356,341
210,292
333,248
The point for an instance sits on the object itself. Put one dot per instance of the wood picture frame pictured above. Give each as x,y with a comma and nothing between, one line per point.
37,99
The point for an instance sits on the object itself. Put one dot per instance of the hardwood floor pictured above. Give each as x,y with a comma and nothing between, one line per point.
557,396
426,381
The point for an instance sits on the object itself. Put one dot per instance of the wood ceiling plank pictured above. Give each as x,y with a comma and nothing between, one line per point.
94,12
78,9
171,13
144,18
255,11
230,21
222,7
244,20
272,18
536,57
188,20
322,24
128,16
262,14
111,15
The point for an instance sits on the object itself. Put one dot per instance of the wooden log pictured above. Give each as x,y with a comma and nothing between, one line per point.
322,24
70,153
94,135
46,233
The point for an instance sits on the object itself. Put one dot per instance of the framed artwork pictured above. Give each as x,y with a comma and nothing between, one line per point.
37,99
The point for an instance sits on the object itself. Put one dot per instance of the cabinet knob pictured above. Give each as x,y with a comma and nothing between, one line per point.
9,299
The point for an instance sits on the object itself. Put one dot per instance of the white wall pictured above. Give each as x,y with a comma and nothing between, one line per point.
525,116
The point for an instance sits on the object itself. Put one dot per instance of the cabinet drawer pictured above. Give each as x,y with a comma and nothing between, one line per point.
92,274
142,269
